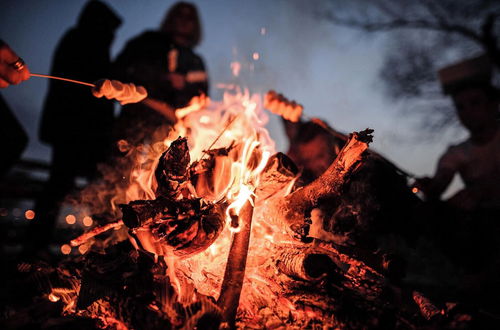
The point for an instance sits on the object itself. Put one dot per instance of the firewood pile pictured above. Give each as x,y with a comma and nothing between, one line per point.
287,257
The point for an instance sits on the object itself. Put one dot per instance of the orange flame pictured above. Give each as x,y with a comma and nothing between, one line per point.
237,125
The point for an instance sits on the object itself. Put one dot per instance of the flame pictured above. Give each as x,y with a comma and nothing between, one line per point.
235,124
52,297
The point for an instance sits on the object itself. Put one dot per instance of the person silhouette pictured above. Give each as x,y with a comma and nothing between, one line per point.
74,123
163,61
477,159
465,226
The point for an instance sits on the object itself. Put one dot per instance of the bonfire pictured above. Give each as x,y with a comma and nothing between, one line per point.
213,231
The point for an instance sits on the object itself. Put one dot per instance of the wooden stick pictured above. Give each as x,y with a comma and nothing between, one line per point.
60,78
94,232
235,268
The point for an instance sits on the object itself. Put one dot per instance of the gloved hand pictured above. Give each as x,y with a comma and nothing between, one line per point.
280,105
123,93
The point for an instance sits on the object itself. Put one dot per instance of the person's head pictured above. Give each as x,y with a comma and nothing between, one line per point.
469,85
476,106
313,150
98,19
182,22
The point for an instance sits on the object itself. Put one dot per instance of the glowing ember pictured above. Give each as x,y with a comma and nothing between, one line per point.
52,297
29,214
70,219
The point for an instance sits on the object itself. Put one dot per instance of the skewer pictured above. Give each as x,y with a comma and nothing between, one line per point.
94,232
60,78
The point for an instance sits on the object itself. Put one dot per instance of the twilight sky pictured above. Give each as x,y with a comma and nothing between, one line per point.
332,71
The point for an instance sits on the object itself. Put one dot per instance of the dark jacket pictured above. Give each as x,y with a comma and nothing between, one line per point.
145,61
71,115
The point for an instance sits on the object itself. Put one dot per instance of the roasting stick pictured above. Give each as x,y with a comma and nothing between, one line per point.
60,78
94,232
220,134
272,97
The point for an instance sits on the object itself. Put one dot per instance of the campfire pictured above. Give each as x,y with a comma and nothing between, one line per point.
214,232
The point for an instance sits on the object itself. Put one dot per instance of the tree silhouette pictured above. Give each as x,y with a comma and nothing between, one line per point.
424,35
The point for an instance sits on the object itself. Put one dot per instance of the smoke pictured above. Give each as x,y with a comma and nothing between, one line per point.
285,35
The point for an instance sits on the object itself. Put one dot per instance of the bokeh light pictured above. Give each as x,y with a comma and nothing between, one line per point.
29,214
65,249
70,219
87,221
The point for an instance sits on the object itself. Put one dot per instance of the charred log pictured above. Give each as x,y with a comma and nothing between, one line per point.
280,172
427,308
295,206
209,175
306,264
140,212
172,168
186,226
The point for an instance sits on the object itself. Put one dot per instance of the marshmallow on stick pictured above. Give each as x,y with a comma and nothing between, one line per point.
123,93
280,105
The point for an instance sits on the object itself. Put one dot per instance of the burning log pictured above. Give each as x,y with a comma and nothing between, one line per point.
235,268
186,226
330,184
305,264
427,308
278,175
209,175
94,232
172,168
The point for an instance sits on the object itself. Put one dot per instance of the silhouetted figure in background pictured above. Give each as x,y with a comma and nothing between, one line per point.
164,62
476,159
13,136
467,225
74,123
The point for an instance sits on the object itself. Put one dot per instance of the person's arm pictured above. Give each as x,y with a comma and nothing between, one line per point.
434,187
13,70
162,108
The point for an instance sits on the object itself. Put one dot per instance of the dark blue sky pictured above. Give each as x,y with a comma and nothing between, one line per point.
330,70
